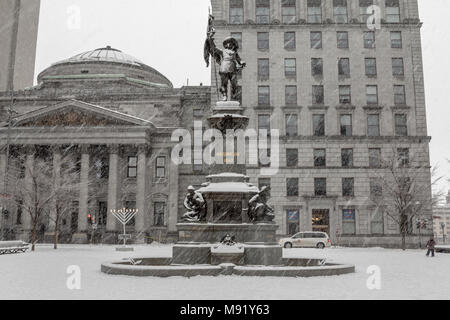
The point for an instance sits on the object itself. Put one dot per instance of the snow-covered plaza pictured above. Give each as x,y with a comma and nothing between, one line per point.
43,274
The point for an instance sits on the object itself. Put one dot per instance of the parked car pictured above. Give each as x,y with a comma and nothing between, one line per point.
309,239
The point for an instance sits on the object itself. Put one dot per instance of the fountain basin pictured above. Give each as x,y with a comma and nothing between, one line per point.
163,267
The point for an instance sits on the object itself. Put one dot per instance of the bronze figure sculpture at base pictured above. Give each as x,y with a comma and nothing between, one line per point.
196,205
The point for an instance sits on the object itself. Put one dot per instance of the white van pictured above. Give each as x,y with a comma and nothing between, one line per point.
308,239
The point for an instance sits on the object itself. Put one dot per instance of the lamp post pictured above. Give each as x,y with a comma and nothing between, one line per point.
124,216
443,231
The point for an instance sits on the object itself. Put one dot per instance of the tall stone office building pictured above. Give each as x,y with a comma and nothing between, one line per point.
342,95
19,21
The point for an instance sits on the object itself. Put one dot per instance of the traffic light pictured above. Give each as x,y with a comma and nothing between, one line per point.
91,218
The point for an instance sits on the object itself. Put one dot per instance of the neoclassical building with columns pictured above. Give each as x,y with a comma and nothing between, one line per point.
115,115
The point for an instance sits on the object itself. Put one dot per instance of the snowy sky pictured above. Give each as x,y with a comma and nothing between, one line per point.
155,31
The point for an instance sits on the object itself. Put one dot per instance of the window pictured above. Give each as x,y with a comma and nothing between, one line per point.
397,67
292,187
317,66
348,221
292,157
345,95
291,95
236,11
290,68
102,168
375,158
403,156
317,95
342,39
131,205
263,40
316,39
102,213
314,11
396,39
158,217
238,37
392,11
320,187
160,167
264,123
263,95
346,125
340,11
293,221
377,221
319,125
371,67
401,125
289,40
263,11
320,158
369,40
288,11
132,167
376,188
373,125
372,95
363,7
348,185
291,125
198,113
347,158
399,95
263,69
344,67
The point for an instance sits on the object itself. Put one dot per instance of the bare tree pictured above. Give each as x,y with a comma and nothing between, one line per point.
406,188
34,192
65,187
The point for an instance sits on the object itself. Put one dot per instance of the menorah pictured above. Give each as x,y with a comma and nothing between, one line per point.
124,216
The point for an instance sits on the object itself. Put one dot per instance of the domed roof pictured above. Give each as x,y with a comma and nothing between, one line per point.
107,61
107,54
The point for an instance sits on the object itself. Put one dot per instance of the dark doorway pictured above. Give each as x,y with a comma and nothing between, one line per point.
321,220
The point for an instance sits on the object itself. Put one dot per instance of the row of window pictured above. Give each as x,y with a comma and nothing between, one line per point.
346,125
290,67
101,167
320,157
316,40
318,95
320,186
314,11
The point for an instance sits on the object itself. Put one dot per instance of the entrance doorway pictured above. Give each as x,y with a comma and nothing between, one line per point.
321,220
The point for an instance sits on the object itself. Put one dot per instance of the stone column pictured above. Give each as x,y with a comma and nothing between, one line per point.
81,236
141,186
113,182
3,190
172,205
26,218
56,183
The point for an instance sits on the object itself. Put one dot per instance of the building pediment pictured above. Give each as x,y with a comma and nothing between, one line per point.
74,113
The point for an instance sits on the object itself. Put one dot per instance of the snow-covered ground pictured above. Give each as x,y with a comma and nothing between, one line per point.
43,275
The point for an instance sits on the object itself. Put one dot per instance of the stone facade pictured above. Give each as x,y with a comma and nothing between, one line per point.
270,31
115,113
19,21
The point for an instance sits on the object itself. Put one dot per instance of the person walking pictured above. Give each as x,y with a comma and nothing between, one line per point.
430,245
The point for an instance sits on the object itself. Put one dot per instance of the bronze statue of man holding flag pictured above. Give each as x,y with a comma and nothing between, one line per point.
228,59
